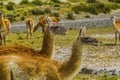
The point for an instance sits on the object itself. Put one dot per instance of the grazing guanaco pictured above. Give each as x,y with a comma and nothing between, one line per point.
116,24
24,66
4,28
29,27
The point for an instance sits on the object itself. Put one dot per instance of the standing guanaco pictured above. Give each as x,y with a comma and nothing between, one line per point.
4,28
29,27
116,24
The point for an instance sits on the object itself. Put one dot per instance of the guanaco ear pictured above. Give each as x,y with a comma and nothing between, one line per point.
82,31
48,21
113,17
1,13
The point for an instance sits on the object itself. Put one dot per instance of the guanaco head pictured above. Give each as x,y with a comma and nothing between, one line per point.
1,14
85,39
58,30
113,17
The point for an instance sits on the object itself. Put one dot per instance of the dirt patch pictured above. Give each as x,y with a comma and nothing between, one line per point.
103,57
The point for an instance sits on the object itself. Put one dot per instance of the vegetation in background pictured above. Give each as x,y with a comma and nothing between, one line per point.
98,77
116,1
64,10
95,8
37,2
10,5
91,1
24,2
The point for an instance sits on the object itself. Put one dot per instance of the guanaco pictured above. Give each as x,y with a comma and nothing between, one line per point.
4,28
24,66
29,27
116,24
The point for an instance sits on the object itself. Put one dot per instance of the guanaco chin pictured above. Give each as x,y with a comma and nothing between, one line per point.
22,65
4,28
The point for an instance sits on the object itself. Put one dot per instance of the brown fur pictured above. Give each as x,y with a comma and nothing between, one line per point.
24,66
29,26
42,23
116,24
4,29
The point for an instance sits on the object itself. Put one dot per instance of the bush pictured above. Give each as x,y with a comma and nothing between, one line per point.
55,1
93,8
116,1
56,14
37,2
70,16
48,10
87,16
114,6
81,7
24,2
91,1
57,5
23,18
37,11
11,17
1,3
10,6
101,7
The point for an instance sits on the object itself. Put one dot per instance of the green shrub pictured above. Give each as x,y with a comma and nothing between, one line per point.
24,1
105,76
10,6
11,17
81,7
116,1
57,5
55,1
91,1
70,16
1,3
23,18
113,6
56,14
37,2
93,10
99,8
87,16
37,11
48,10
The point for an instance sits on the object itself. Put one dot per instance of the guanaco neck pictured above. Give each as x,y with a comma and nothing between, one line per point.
114,24
113,21
35,27
1,21
48,44
69,69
